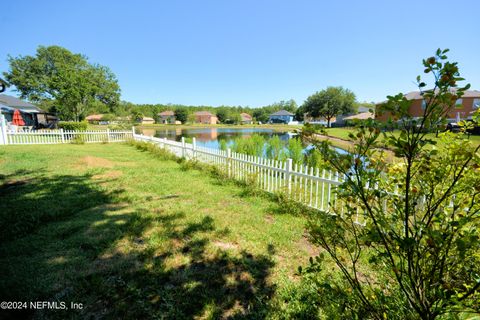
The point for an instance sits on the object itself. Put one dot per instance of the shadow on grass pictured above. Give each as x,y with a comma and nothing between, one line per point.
64,239
187,280
29,202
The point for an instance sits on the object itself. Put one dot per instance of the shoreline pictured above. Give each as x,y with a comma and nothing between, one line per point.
274,127
347,145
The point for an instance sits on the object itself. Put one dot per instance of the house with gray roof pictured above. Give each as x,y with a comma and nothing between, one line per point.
9,102
31,114
282,116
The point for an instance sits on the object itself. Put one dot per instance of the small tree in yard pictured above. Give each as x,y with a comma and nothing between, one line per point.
58,77
329,103
416,253
181,115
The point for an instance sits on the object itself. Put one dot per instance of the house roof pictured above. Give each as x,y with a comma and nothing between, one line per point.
282,113
245,116
203,113
360,116
94,117
417,95
167,113
147,119
16,103
362,109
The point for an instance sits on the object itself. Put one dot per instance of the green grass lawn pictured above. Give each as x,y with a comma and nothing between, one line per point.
132,236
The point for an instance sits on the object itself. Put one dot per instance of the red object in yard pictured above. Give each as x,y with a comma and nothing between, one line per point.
17,118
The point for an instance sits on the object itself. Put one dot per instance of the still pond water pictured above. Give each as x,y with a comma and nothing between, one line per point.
210,137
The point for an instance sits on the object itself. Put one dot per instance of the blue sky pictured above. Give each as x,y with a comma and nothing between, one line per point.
250,52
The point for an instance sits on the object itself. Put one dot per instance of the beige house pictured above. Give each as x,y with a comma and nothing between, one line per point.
147,120
246,118
205,117
93,118
360,116
167,117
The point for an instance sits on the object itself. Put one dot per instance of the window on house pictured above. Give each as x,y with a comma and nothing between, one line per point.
424,104
459,104
476,103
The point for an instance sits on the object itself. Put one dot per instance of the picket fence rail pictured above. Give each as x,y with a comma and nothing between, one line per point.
63,136
310,186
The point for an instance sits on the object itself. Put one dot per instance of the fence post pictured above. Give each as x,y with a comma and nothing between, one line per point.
183,147
108,134
194,148
288,175
3,129
63,135
229,162
133,132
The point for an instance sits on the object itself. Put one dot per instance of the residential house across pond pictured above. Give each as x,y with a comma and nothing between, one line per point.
282,116
462,109
205,117
246,118
167,117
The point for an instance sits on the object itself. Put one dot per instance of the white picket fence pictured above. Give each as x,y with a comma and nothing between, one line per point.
63,136
309,186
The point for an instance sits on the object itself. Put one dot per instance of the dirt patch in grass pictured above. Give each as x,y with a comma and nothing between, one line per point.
94,162
311,249
269,218
224,245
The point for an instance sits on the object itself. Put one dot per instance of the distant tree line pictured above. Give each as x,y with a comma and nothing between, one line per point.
184,113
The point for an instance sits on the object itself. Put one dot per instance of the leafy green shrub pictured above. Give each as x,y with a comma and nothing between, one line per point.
223,145
295,150
186,165
78,139
422,225
314,159
297,301
188,140
276,149
289,206
158,152
312,128
252,146
121,126
72,125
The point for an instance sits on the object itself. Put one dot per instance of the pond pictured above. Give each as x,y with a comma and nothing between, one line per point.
210,137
